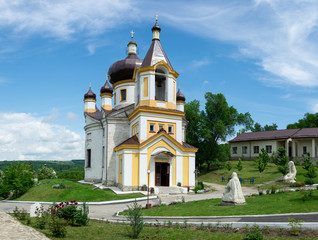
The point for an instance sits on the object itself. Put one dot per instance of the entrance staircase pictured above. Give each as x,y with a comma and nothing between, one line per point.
165,191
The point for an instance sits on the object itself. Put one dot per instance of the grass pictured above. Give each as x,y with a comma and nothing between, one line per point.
249,171
79,192
288,202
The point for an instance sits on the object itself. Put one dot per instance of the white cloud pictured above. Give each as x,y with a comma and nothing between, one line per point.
51,118
200,63
314,107
70,116
205,82
26,137
63,19
280,35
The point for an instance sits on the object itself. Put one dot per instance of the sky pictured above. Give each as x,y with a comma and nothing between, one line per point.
261,54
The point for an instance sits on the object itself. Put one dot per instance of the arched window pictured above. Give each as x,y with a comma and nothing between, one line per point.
160,85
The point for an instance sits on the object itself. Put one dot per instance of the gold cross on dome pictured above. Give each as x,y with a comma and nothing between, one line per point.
90,84
132,33
107,76
178,85
157,17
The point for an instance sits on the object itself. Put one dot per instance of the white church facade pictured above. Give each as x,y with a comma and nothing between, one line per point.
139,130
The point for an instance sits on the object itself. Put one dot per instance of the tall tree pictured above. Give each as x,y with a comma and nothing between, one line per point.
213,125
310,120
258,127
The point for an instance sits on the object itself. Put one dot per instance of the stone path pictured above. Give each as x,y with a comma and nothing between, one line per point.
13,229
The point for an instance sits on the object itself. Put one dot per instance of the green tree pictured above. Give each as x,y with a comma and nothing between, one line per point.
135,219
46,173
18,179
212,126
262,161
239,165
281,160
310,120
307,162
228,166
258,127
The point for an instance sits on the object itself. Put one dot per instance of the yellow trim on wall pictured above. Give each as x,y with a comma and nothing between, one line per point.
90,100
179,101
157,111
107,107
120,96
135,169
90,110
161,63
134,129
120,167
174,177
106,94
185,171
122,82
145,85
154,103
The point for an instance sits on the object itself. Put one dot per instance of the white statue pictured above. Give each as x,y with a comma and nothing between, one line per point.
291,175
233,194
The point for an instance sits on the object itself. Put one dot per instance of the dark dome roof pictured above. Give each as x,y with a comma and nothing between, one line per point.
124,69
106,88
156,27
180,96
90,94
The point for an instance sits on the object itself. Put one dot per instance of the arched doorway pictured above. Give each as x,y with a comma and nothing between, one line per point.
162,168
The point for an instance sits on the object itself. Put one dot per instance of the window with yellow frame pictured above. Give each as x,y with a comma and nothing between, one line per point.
123,95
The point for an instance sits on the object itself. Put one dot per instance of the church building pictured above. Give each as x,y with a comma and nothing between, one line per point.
138,133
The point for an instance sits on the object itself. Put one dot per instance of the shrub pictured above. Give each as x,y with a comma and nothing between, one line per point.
307,195
18,179
20,214
311,172
42,217
152,190
228,166
135,219
254,234
307,163
179,184
239,165
295,226
46,173
57,226
262,161
273,189
281,161
297,184
309,181
200,185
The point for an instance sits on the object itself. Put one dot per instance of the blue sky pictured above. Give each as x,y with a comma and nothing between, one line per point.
262,55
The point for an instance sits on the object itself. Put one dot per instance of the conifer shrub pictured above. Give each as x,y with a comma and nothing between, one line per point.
136,222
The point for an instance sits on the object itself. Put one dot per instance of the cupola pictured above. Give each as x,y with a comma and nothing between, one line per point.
180,99
106,94
90,101
156,30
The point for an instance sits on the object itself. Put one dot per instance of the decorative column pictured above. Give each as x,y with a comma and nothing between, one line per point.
293,148
313,147
287,148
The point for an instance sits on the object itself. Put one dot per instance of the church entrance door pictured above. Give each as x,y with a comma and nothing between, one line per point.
162,173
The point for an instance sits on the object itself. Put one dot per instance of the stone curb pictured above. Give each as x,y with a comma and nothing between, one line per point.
285,225
90,203
214,217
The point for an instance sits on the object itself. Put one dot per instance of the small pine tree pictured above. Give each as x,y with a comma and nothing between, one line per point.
311,172
228,166
307,162
262,161
239,165
281,161
135,218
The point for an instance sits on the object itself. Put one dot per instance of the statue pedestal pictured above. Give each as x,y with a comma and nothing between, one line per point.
231,203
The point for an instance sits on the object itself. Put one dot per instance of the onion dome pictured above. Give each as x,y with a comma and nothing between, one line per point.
156,27
106,88
180,96
90,94
124,69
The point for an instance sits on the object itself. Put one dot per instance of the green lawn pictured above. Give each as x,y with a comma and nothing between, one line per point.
249,171
289,202
79,192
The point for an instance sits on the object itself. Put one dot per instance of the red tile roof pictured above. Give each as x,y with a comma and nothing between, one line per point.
278,134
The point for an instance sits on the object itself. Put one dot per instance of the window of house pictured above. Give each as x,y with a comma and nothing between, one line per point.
256,149
170,129
151,127
160,84
304,150
244,150
89,157
269,148
123,95
161,126
234,150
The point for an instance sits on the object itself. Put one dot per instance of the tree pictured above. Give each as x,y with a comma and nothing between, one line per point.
307,162
262,161
206,129
18,179
310,120
281,160
46,173
135,219
239,165
258,127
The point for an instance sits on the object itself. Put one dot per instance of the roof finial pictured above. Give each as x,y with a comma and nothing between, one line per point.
178,86
132,34
90,85
157,17
107,77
